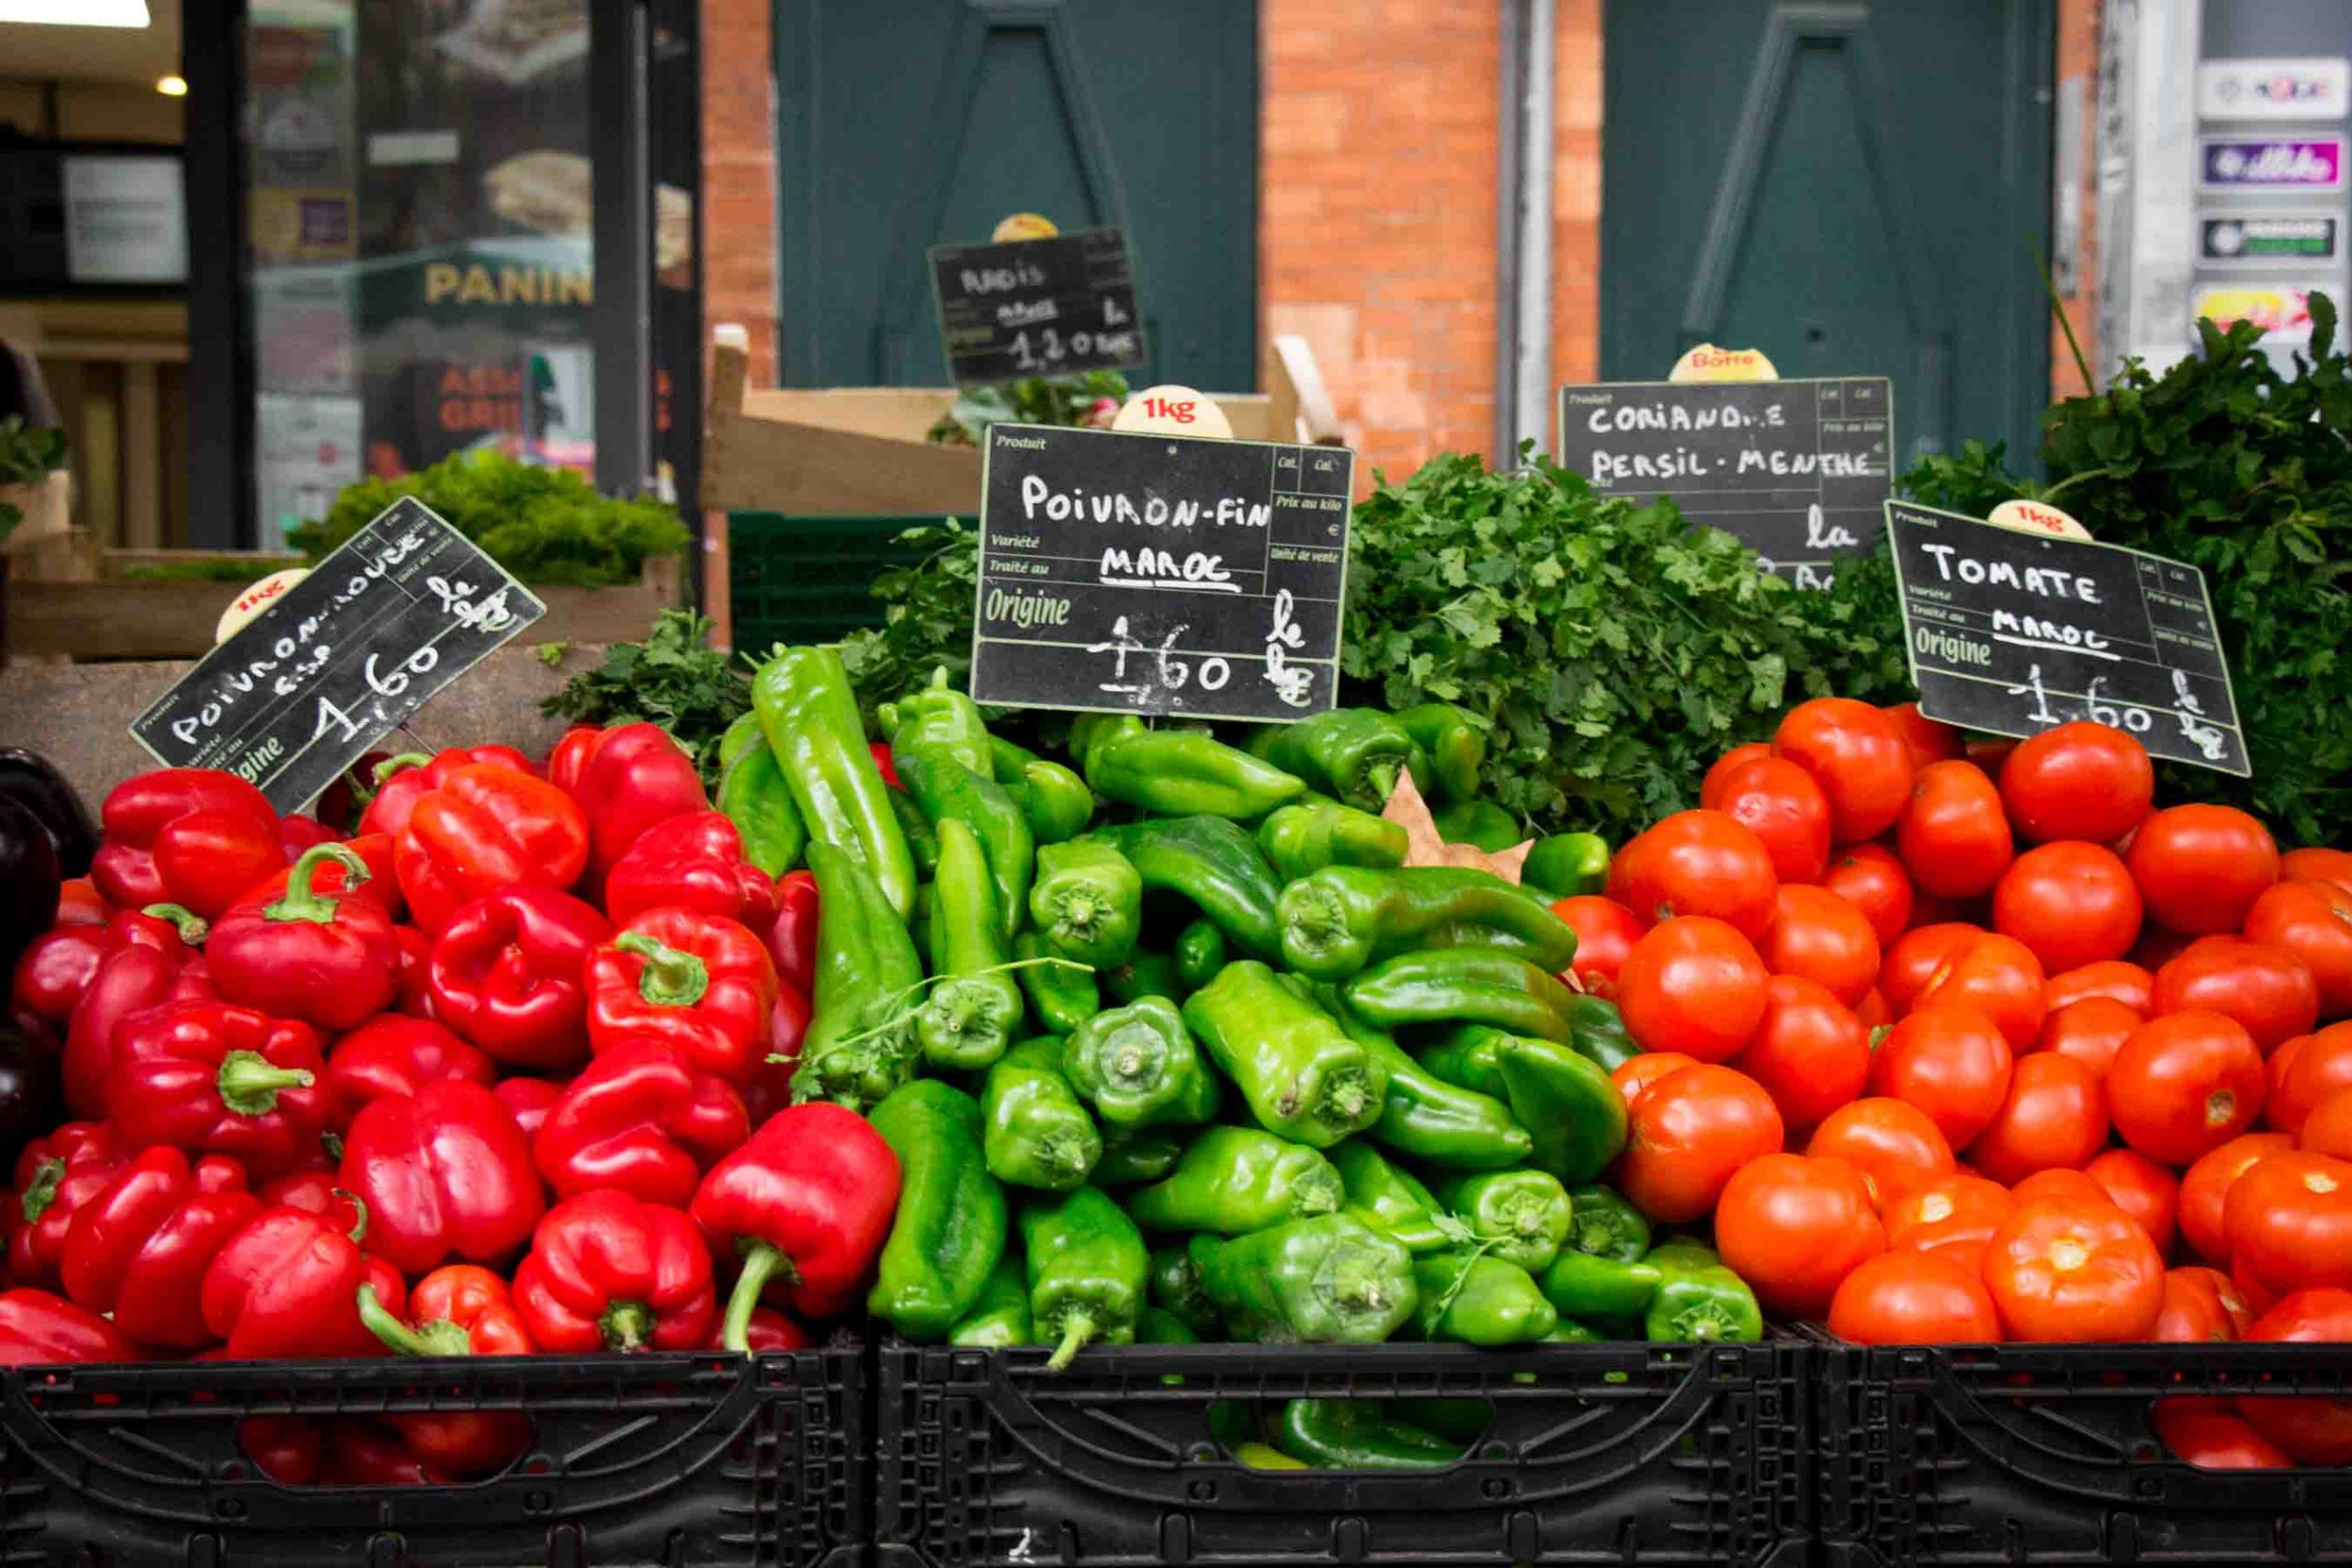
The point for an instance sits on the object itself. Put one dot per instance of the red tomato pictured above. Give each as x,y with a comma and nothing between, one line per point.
2328,1129
2306,1071
2117,980
1925,739
2215,1440
2060,1187
2201,867
1869,877
2268,989
2317,865
1810,1053
2091,1031
2000,977
1953,1214
1795,1227
1858,757
1990,752
2314,1430
2288,1220
1696,862
1895,1145
1606,931
1913,958
2205,1188
1780,803
1951,1063
2314,921
2078,781
2201,1307
1953,838
1820,936
2147,1192
1687,1133
1914,1299
1711,788
2185,1084
1692,984
1872,1009
2158,947
2071,902
2073,1272
1633,1077
2054,1115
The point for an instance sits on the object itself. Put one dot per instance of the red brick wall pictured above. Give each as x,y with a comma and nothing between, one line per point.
2078,22
739,174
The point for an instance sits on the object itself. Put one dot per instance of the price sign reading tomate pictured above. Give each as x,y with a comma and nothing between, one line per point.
339,659
1160,574
1049,307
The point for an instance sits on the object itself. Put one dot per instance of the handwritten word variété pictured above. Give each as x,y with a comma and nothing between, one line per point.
1040,499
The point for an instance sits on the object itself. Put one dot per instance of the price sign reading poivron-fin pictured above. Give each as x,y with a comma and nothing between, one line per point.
1160,574
2012,632
1050,307
404,607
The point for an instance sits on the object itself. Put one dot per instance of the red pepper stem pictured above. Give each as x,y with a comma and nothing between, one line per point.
439,1338
249,1082
406,760
762,1261
301,902
359,1206
672,978
193,928
627,1326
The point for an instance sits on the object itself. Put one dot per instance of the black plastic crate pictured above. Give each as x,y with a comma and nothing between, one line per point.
1596,1454
809,579
2030,1454
677,1460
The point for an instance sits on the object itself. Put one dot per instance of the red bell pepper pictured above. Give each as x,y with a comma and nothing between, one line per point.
369,1453
456,1310
394,1053
323,959
287,1286
770,1089
213,1077
571,753
806,1202
442,1173
695,862
637,1119
178,831
509,973
54,971
40,1329
411,966
768,1330
792,941
312,1189
286,1448
529,1100
699,983
79,903
607,1271
889,770
629,778
486,827
403,780
138,1249
298,832
381,886
144,965
55,1176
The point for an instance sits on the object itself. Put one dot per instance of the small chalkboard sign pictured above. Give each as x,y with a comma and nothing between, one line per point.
2012,631
1049,307
404,607
1160,574
1797,470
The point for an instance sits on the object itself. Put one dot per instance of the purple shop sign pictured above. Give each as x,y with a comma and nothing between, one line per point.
2272,162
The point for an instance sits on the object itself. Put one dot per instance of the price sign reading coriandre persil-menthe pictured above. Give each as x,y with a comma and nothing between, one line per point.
2012,631
1055,306
339,660
1160,574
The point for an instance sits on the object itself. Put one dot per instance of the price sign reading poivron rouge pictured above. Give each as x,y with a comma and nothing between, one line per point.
1049,307
1796,471
404,607
1160,574
2011,632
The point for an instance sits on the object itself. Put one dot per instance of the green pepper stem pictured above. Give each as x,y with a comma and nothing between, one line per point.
301,901
358,1232
439,1338
193,928
406,760
1077,1329
762,1261
250,1082
899,1018
672,978
42,1191
627,1326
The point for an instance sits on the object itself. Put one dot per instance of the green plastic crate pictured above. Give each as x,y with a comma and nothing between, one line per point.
809,579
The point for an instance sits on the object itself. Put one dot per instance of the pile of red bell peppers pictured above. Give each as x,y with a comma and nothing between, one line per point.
506,1070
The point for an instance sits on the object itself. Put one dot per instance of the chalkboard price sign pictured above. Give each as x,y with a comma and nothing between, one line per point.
1160,574
1797,470
1050,307
339,660
2011,632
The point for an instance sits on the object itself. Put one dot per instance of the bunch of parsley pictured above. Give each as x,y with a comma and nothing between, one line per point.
673,678
926,616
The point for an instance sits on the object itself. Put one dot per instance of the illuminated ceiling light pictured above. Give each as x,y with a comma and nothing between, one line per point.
76,13
172,86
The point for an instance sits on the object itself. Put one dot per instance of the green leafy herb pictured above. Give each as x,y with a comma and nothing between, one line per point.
673,678
29,454
926,620
1088,399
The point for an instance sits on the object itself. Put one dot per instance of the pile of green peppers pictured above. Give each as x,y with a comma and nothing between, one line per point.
1172,1046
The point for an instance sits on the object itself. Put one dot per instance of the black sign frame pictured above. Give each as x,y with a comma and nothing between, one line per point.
1083,288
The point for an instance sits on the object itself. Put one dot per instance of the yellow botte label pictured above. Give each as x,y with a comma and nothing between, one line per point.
1708,363
253,600
2037,517
1172,410
1023,226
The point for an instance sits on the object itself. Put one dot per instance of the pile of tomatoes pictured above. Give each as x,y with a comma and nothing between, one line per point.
1967,1043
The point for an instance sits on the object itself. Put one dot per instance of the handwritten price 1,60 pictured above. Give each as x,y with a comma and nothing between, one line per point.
2189,712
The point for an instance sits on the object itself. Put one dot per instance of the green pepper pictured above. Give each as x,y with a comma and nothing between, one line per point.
1595,1288
1055,801
860,1044
1391,1199
807,710
1567,866
1461,1421
1569,1331
1481,824
1236,1179
949,1230
1000,1317
1325,1279
974,1008
1175,772
755,797
1036,1132
1236,1423
946,791
1454,745
1336,920
1132,1158
1264,1456
1598,1032
1573,1109
1352,753
938,718
1156,1326
1436,1121
1138,1067
1303,1077
1606,1225
1088,902
1525,1215
1213,863
921,842
1062,997
1199,953
738,738
1143,975
1358,1434
1471,1298
1462,985
1699,1299
1086,1271
1302,838
1176,1289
